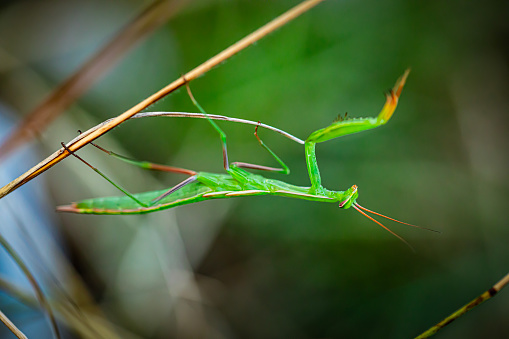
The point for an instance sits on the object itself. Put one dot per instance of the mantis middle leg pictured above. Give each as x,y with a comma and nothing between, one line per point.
222,135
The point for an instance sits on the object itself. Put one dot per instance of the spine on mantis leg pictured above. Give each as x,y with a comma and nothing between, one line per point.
349,126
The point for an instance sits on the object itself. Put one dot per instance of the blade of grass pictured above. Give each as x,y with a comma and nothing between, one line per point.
84,139
35,285
64,95
90,323
10,325
101,328
476,302
59,292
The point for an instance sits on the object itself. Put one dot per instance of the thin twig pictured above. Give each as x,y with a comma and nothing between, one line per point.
73,87
61,154
476,302
10,325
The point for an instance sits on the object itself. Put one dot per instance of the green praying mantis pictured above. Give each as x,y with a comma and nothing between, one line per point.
237,181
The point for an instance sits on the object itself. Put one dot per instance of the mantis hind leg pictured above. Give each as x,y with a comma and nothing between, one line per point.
146,164
142,164
105,177
284,169
222,135
173,189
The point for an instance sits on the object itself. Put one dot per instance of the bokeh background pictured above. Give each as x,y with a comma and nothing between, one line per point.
270,267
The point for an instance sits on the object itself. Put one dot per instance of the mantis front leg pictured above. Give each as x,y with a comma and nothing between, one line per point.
313,171
346,127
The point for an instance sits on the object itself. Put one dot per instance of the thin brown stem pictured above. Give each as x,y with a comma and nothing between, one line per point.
476,302
61,154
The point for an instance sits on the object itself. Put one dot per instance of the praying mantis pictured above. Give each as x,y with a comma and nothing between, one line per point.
237,181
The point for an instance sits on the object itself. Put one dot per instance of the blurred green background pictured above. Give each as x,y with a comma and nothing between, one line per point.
270,267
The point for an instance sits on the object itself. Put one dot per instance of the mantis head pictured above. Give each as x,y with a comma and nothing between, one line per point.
349,197
351,201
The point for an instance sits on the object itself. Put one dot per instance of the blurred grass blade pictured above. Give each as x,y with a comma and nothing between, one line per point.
78,311
94,327
476,302
10,325
35,285
64,95
216,60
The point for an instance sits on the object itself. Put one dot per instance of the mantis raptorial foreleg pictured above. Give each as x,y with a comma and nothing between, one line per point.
347,127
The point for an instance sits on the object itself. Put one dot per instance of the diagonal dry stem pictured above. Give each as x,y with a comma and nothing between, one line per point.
61,154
